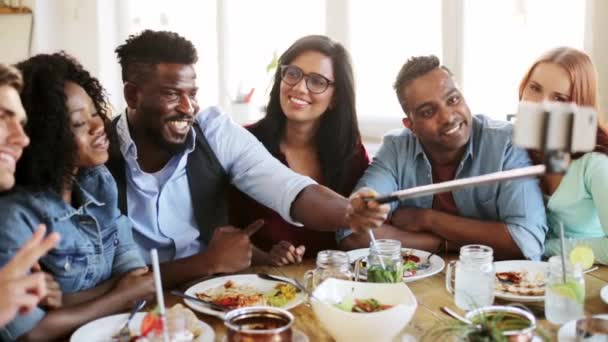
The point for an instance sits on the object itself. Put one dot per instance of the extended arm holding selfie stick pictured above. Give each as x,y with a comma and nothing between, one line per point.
556,128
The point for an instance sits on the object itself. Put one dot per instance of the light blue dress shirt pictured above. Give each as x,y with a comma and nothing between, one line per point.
160,204
401,163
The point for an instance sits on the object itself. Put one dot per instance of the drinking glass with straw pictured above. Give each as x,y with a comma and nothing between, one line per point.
160,300
563,250
372,238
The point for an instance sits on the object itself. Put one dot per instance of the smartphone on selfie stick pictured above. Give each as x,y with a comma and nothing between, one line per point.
556,129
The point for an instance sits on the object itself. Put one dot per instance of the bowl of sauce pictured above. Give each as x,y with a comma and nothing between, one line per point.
259,324
516,324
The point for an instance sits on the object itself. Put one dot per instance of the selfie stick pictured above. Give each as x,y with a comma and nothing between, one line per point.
457,184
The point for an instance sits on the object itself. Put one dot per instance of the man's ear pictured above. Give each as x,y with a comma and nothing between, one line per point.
129,90
407,122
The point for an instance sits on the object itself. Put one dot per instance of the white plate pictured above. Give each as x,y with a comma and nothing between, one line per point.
567,333
102,329
604,294
262,285
533,267
437,263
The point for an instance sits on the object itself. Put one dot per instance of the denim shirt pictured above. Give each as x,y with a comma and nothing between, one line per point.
96,239
401,163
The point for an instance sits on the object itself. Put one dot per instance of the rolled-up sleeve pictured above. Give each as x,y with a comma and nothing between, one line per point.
520,206
127,255
252,169
381,176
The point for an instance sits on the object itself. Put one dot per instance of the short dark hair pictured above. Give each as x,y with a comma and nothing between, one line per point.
49,160
338,136
412,69
140,53
11,77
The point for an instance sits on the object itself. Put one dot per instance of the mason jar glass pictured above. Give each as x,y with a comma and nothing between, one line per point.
384,263
330,264
564,296
474,282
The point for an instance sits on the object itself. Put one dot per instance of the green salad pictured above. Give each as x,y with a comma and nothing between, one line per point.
361,305
389,274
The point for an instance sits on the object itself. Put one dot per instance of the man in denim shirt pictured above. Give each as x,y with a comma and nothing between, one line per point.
20,292
443,141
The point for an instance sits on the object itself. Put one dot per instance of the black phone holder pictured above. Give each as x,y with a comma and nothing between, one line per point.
556,161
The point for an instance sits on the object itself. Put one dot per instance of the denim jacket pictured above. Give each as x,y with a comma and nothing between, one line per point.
401,163
96,239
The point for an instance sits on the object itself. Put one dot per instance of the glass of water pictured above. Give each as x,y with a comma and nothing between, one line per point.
564,298
474,277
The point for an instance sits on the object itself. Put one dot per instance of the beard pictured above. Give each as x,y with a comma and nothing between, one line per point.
162,143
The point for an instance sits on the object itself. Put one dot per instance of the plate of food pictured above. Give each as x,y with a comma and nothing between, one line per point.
107,328
413,260
241,290
521,280
604,294
567,333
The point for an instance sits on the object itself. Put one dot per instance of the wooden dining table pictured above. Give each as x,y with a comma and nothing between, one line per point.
431,295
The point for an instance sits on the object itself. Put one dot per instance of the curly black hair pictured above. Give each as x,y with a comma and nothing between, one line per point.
138,55
415,67
50,158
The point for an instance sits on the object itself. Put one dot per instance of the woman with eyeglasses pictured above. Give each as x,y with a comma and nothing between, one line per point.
578,199
311,126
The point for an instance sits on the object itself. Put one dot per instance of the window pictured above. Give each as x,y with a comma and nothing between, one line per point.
257,30
503,38
384,34
194,20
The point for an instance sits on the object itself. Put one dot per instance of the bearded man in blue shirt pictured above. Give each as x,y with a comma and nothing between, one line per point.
172,165
442,141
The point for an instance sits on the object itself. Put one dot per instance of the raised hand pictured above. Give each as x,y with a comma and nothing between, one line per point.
20,292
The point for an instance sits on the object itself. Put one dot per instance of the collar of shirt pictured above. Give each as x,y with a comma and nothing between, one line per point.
419,149
54,203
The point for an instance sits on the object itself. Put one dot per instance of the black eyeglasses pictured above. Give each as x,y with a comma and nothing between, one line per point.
315,83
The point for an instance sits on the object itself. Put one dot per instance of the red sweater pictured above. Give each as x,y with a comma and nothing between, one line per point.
244,210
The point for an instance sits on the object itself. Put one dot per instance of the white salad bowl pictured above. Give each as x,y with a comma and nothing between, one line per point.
354,326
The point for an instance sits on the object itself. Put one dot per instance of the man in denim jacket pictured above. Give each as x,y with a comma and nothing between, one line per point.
20,292
443,141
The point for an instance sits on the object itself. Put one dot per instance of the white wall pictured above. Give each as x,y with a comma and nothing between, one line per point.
91,29
597,43
88,30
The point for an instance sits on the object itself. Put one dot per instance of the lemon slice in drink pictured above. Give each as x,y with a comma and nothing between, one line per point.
571,290
582,255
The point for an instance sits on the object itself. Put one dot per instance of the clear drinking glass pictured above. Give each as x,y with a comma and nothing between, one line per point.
564,301
474,277
330,264
384,263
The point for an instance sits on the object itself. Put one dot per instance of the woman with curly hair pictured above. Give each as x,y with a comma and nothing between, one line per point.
578,199
62,182
310,126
